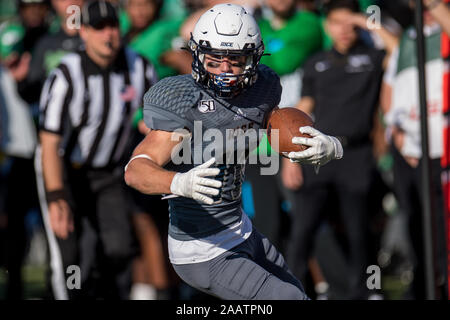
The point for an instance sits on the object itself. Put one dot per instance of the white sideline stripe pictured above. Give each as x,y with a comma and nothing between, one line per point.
57,278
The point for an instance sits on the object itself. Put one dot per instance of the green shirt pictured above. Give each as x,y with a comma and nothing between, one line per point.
156,40
292,44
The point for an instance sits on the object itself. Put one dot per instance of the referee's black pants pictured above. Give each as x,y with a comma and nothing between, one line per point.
103,244
408,191
348,181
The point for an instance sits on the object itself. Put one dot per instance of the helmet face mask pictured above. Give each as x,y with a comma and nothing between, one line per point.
226,30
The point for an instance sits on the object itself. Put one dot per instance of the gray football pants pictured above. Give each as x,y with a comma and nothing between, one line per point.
253,270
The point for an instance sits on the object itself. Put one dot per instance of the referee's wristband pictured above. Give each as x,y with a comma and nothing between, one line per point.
56,195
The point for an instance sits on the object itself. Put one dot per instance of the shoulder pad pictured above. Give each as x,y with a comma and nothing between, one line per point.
168,101
268,87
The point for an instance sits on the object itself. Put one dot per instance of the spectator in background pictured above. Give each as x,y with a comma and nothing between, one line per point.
307,5
149,35
362,5
341,89
18,40
86,108
51,48
156,38
440,11
19,36
178,58
290,36
18,141
403,120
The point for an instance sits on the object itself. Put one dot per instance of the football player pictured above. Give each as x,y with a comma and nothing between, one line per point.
212,244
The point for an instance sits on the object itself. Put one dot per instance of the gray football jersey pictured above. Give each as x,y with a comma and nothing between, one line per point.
225,129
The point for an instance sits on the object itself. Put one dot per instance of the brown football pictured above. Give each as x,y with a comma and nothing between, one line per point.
287,121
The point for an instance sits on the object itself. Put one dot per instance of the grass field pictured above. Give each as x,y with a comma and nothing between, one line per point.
34,282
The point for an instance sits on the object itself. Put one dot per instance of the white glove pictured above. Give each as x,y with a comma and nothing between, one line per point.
322,148
192,184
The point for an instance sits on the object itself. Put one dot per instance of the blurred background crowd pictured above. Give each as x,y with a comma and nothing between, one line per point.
358,82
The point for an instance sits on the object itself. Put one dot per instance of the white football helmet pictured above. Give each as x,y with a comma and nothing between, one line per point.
226,30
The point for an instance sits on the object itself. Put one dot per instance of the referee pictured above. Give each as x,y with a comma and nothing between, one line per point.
86,106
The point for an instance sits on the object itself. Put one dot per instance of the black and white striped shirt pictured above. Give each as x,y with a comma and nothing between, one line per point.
95,123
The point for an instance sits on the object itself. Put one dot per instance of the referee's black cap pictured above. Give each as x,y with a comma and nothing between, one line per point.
99,13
